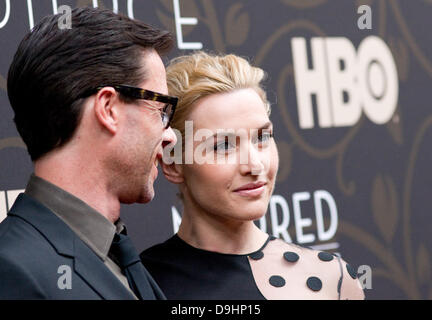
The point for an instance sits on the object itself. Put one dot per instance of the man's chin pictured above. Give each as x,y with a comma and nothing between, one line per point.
147,196
144,196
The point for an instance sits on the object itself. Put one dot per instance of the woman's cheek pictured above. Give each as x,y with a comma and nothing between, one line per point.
275,157
273,165
211,172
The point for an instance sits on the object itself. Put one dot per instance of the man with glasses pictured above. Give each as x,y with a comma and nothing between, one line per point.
91,105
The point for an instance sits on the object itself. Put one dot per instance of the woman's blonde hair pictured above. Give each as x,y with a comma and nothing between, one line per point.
195,76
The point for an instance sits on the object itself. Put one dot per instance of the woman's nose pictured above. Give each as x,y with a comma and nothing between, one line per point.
254,164
257,166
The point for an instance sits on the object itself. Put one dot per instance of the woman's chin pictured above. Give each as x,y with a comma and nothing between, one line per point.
253,214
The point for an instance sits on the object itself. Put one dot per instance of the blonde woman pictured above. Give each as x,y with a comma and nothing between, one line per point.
218,252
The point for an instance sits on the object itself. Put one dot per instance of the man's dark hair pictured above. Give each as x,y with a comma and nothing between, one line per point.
54,67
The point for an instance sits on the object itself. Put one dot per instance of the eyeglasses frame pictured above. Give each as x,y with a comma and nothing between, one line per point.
143,94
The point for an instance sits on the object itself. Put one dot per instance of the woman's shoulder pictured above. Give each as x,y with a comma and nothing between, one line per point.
288,271
162,249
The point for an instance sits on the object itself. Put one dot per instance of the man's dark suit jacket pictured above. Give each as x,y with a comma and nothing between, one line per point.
35,243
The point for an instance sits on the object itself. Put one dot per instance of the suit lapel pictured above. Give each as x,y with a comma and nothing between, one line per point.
86,263
55,231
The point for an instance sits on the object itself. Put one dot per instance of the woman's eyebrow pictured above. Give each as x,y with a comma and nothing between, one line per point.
232,132
266,125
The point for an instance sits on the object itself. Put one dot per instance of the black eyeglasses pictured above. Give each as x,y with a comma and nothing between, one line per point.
167,112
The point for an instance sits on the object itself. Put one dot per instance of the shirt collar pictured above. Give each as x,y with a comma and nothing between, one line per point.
91,226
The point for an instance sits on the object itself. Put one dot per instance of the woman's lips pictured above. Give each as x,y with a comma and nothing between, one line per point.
251,189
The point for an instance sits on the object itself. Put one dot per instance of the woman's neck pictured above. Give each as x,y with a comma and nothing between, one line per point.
214,233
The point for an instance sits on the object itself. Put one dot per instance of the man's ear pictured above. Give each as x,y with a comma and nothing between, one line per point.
106,109
173,172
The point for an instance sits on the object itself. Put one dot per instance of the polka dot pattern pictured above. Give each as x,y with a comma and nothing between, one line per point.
277,281
351,271
291,256
299,273
257,255
314,283
325,256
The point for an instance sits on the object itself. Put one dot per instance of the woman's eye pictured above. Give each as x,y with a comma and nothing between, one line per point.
264,137
223,146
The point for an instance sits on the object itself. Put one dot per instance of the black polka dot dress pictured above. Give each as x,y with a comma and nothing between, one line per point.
277,271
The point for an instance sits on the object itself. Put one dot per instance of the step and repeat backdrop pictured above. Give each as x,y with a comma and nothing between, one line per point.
350,84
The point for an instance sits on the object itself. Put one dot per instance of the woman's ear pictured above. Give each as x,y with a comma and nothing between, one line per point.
173,172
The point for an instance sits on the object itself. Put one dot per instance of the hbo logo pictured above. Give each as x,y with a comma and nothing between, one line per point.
342,82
